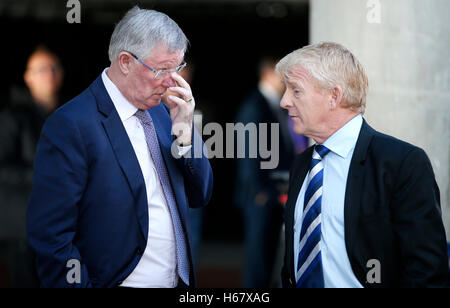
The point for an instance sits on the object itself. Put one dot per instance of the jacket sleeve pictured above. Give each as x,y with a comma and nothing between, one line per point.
418,223
197,172
59,181
196,169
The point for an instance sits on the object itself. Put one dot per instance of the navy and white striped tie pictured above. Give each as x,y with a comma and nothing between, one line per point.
309,265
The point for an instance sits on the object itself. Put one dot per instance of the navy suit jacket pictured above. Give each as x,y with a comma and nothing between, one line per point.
250,178
391,214
89,200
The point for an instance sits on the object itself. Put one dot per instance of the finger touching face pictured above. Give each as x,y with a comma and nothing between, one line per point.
181,82
180,88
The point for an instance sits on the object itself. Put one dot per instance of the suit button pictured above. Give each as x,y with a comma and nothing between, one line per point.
140,250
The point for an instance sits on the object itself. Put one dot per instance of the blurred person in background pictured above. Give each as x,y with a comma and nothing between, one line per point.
44,77
259,192
20,127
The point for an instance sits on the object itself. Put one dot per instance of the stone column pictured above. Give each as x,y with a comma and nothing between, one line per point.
404,47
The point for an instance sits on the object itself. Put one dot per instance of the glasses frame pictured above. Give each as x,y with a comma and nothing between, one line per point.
158,73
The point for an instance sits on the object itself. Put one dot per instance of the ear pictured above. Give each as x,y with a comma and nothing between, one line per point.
335,97
125,61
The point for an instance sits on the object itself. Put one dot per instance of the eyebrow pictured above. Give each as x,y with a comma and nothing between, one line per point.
295,85
170,63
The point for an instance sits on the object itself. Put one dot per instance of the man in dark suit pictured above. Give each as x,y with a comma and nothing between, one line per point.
112,185
257,190
363,208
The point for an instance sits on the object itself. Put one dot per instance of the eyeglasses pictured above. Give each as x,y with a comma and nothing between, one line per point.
161,73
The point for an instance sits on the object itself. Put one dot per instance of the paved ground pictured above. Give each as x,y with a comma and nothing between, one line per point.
220,265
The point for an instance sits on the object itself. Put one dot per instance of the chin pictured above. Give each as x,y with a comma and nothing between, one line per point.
299,132
298,129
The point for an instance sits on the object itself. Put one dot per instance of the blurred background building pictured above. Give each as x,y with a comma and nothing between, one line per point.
403,45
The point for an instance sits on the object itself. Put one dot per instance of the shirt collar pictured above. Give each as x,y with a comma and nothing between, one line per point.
344,140
124,108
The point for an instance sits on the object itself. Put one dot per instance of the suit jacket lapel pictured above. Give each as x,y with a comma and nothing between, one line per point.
355,181
124,152
299,171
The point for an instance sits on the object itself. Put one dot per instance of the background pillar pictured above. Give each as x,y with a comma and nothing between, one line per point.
404,47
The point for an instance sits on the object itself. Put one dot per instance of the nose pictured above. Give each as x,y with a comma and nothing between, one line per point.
284,103
168,82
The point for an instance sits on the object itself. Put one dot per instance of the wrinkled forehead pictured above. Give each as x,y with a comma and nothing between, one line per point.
301,77
297,75
162,54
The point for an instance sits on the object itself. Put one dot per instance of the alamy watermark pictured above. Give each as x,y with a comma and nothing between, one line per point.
74,273
374,274
74,14
374,14
237,140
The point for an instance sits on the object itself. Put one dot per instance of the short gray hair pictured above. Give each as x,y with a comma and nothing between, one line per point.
330,64
141,30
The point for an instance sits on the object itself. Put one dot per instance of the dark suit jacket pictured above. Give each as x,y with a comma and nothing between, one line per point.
392,213
250,178
89,199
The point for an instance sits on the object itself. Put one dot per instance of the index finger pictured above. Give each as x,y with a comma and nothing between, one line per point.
181,82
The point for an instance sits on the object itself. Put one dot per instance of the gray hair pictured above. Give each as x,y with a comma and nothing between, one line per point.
330,64
141,30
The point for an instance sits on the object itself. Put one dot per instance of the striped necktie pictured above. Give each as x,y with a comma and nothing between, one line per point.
155,151
309,265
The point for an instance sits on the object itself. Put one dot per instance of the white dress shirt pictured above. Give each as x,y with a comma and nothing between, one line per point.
337,270
157,266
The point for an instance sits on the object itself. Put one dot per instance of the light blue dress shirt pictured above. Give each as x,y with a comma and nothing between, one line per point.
337,270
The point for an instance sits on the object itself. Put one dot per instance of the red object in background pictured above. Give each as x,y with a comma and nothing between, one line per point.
4,276
282,199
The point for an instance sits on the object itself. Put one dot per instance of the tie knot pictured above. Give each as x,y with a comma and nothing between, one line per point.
143,116
321,151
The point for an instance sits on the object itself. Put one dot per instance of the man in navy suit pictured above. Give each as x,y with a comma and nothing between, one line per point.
257,191
363,208
112,185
